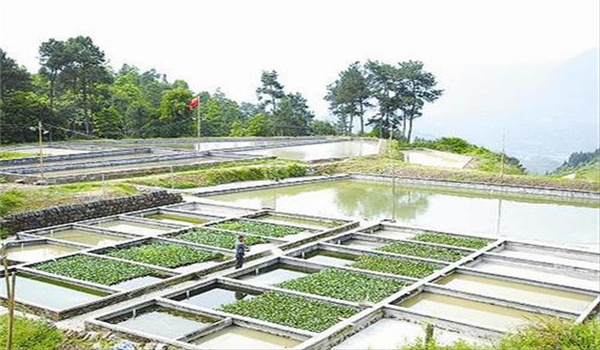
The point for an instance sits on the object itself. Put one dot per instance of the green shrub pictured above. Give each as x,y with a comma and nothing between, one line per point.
440,238
345,285
93,269
291,311
9,200
216,238
29,334
424,251
164,254
258,228
408,268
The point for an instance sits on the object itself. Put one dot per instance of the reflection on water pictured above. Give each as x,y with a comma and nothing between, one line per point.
341,149
525,217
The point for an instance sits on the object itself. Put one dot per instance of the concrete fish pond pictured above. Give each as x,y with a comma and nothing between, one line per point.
308,282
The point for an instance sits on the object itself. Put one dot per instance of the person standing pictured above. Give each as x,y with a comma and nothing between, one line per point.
240,250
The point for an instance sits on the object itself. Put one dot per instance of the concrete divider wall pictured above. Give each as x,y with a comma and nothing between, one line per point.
91,210
64,157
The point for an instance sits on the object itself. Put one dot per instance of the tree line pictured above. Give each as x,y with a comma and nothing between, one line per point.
397,93
76,94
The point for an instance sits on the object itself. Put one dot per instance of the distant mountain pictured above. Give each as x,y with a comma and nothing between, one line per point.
584,165
546,113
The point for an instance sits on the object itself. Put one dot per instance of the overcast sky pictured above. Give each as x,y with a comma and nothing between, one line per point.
226,44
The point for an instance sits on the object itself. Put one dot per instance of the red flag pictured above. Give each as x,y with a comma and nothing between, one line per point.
194,103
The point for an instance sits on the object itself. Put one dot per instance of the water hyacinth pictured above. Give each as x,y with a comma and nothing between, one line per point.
164,254
216,238
345,285
94,269
291,311
440,238
258,228
416,269
424,251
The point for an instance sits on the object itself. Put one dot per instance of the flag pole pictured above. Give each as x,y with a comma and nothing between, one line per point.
199,123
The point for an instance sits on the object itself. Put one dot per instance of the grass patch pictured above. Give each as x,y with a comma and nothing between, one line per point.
440,238
6,155
258,228
29,198
225,173
431,252
345,285
215,238
93,269
164,254
416,269
291,311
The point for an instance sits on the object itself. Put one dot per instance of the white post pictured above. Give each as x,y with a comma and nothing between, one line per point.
502,158
199,123
40,134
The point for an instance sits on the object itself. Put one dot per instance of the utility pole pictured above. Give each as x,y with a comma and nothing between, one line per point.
502,158
40,137
199,122
393,173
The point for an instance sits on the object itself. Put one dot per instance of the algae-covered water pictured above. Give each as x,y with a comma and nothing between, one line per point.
464,211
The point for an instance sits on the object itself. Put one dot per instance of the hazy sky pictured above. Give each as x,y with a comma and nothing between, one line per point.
226,44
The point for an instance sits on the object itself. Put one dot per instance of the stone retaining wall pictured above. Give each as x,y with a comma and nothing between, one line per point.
91,210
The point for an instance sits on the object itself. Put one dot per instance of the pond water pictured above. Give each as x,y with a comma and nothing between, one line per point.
341,149
212,298
547,255
236,337
137,282
207,146
320,256
543,274
176,219
274,275
525,293
461,211
87,237
37,252
362,244
132,227
392,334
50,293
473,312
163,322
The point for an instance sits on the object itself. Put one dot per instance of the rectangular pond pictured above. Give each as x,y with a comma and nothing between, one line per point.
473,312
131,227
50,293
321,256
236,337
275,274
161,321
393,334
340,149
213,297
37,251
537,253
520,292
463,211
88,237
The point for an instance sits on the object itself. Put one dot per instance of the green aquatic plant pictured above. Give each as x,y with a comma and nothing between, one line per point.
94,269
258,228
217,238
164,254
416,269
457,241
424,251
291,311
345,285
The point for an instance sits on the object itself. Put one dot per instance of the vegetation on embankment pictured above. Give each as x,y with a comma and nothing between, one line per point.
381,165
225,173
581,166
485,159
5,155
17,199
552,335
33,334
